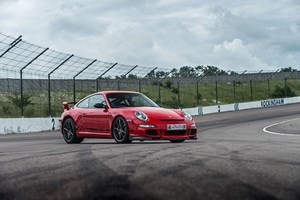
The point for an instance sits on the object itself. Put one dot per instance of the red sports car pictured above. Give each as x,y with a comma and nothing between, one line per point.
124,116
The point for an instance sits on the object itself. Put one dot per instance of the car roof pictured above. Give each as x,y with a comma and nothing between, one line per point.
116,92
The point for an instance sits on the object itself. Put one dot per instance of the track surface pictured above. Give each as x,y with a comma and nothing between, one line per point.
233,158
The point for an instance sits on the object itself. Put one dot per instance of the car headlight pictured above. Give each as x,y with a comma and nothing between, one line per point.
140,115
187,115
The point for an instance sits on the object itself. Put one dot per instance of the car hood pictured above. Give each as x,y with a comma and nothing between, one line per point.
160,113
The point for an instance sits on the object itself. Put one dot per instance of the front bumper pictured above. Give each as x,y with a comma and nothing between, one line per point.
160,132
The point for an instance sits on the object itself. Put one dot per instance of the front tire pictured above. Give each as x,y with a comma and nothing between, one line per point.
69,132
120,130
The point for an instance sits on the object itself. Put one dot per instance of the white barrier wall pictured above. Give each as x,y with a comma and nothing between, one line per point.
25,125
241,106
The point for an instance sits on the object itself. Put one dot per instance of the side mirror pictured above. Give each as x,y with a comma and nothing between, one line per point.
100,105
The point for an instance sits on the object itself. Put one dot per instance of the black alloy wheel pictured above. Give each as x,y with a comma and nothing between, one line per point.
69,132
120,130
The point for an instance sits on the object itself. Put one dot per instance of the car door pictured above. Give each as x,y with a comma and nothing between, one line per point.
96,120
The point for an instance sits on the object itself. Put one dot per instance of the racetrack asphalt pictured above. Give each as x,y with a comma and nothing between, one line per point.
233,158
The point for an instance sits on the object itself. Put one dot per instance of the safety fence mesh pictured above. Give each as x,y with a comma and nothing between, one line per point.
34,81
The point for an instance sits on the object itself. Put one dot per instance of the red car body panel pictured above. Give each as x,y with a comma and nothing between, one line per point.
97,122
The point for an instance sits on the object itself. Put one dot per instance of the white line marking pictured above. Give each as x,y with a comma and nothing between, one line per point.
275,133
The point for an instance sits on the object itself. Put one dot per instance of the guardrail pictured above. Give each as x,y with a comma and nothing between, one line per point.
26,125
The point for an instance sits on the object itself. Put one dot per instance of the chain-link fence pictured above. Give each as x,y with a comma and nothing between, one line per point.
34,81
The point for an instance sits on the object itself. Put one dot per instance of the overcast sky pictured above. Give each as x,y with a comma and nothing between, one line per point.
241,35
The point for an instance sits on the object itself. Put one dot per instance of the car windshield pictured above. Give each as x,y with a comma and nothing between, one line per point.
117,100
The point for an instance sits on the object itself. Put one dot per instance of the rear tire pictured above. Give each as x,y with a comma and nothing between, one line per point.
120,130
69,132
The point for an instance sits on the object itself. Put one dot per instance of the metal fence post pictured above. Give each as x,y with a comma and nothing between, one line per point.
217,95
234,85
21,77
125,76
12,45
49,87
97,80
145,77
268,81
74,86
251,82
197,85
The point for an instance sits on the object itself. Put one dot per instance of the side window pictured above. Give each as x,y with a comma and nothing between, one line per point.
84,103
98,98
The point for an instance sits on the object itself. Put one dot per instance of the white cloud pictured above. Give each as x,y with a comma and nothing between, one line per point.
228,34
236,55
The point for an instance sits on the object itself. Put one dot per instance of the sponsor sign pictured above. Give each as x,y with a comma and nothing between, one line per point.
272,102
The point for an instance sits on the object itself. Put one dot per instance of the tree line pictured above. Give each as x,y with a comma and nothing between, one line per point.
188,71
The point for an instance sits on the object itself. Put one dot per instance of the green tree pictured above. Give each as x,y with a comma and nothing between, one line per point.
187,71
232,73
210,70
281,92
17,101
288,69
132,76
175,73
169,84
160,74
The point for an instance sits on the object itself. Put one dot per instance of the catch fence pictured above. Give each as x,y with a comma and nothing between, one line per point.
34,81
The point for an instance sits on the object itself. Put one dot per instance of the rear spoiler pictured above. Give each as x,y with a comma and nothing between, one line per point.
66,105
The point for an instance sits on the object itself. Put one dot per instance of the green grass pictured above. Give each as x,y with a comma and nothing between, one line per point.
168,97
